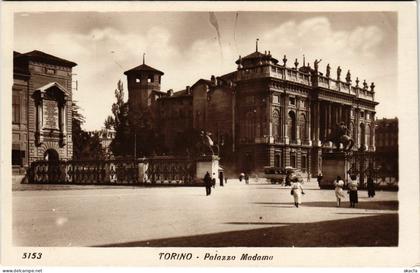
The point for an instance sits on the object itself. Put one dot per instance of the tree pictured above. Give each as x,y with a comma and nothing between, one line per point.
122,144
85,145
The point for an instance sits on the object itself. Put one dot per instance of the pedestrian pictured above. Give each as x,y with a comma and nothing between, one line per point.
353,191
226,179
297,191
289,179
309,177
246,178
221,178
213,181
339,184
241,176
319,179
370,187
207,183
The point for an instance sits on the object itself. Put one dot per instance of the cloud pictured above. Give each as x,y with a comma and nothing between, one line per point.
316,35
103,54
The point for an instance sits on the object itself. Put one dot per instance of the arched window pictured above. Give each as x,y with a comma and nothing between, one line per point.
369,135
302,127
291,126
362,134
276,124
249,126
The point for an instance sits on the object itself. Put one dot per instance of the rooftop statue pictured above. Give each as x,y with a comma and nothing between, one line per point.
348,77
365,85
338,73
316,64
328,71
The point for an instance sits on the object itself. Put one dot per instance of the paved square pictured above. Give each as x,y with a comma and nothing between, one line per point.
137,216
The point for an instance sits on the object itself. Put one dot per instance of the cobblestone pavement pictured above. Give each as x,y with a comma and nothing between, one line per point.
78,216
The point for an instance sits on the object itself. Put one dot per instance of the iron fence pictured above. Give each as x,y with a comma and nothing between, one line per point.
158,170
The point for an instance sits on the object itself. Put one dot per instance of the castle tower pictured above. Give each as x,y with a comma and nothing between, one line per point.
143,91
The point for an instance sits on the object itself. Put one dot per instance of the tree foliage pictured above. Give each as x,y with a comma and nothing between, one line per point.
85,145
122,144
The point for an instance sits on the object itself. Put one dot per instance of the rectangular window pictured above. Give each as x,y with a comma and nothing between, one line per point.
293,160
276,99
292,101
249,100
16,109
17,156
303,163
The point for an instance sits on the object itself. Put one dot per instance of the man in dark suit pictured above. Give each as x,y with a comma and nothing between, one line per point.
207,183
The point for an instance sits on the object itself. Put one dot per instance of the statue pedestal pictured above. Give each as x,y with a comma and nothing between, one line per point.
208,163
334,164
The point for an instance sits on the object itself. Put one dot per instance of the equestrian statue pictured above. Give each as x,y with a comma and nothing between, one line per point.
341,135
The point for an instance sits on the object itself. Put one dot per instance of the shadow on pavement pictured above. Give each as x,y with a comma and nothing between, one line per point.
368,231
378,205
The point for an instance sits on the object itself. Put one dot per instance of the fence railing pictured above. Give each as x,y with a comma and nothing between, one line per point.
158,170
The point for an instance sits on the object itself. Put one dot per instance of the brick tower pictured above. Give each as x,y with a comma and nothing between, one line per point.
143,91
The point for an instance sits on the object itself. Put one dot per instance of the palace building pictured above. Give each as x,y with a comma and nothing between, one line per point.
264,113
41,108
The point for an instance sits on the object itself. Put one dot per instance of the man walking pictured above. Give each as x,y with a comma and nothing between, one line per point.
207,183
221,178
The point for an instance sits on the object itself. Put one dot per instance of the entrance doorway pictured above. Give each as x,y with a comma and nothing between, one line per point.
51,155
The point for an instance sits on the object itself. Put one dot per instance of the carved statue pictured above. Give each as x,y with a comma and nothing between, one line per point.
284,60
338,73
372,87
348,77
316,64
206,144
341,135
365,85
296,63
328,71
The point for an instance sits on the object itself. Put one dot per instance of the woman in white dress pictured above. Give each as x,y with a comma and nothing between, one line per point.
297,191
339,194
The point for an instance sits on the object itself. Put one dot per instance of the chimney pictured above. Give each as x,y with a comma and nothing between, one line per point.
170,92
188,90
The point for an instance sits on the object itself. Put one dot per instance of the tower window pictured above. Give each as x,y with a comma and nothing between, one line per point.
150,79
137,80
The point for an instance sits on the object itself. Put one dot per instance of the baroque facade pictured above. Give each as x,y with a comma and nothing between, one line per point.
263,113
41,108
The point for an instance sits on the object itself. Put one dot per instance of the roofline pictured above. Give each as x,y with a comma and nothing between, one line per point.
57,60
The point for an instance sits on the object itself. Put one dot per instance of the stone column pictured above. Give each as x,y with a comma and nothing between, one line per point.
285,118
325,107
317,122
373,132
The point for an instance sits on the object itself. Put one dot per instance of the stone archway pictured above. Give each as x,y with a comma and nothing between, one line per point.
51,155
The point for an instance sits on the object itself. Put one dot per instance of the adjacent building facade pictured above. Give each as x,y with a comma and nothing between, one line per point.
263,113
386,138
41,108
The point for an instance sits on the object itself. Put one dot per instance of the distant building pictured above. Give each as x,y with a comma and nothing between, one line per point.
386,139
41,108
105,137
262,114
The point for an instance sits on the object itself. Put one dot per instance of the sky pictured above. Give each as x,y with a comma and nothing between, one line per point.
186,47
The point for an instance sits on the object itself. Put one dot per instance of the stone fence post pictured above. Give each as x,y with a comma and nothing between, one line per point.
208,163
